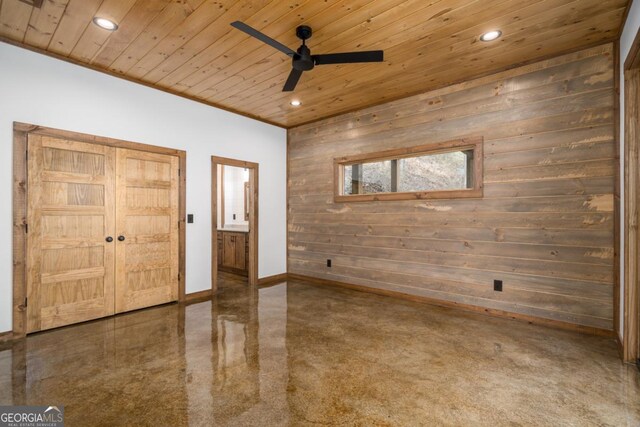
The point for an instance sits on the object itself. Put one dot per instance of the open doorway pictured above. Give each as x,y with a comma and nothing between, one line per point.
234,239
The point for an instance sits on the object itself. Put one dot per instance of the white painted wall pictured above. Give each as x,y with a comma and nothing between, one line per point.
626,39
40,90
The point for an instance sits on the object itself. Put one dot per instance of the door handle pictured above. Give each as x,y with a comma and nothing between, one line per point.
109,239
121,238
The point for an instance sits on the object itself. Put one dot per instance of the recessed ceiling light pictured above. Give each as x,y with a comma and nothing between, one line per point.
105,23
296,103
490,35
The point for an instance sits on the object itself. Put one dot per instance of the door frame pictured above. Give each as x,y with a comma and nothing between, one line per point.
21,132
631,115
253,217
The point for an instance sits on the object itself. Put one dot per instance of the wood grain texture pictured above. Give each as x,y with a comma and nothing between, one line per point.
200,296
617,198
229,250
20,192
272,280
19,232
631,306
544,226
254,223
147,261
233,252
188,48
43,22
182,221
70,266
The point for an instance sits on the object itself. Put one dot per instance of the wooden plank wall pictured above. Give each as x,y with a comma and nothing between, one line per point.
545,225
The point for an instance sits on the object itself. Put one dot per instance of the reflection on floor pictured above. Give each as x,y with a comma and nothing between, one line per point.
228,281
301,354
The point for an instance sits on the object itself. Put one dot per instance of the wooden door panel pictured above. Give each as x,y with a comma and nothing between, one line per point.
147,217
229,251
240,242
71,202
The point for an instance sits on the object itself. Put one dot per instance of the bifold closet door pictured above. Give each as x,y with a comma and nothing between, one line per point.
70,216
147,229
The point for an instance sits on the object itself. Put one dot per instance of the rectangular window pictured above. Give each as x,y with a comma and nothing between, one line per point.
444,170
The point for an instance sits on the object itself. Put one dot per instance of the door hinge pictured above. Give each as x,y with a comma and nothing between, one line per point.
179,172
26,228
26,155
25,301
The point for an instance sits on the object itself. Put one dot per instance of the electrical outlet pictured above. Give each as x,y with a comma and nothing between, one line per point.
497,285
190,218
328,263
234,216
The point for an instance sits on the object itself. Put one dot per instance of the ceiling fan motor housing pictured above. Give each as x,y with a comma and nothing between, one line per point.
303,60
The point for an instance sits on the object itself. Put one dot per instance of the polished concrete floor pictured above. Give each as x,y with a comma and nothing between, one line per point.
302,354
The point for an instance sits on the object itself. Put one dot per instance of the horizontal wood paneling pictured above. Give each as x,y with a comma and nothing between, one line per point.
186,47
544,225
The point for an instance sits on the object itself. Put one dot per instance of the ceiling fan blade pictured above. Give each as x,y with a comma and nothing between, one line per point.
349,57
292,80
262,37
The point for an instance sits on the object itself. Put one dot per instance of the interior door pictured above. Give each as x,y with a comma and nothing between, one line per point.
70,215
147,229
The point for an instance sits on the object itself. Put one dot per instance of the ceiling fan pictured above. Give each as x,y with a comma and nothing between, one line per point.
302,60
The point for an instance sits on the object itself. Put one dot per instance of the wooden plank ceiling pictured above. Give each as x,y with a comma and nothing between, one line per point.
187,47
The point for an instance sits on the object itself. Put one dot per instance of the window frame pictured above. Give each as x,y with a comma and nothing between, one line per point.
471,143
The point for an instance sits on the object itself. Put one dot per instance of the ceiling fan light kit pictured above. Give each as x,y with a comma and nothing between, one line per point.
302,59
